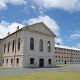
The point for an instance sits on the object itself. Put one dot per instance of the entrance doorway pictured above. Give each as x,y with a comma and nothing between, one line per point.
41,62
65,62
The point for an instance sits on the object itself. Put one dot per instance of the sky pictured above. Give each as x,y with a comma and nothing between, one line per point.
61,16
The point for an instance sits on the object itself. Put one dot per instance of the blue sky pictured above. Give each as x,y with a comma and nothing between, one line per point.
63,17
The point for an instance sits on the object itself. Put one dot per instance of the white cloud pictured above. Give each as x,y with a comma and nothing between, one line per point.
59,40
17,2
78,45
68,5
48,21
6,27
51,23
75,36
3,3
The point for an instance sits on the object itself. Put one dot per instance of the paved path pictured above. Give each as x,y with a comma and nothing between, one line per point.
8,71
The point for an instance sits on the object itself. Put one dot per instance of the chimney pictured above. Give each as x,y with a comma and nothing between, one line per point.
8,33
18,28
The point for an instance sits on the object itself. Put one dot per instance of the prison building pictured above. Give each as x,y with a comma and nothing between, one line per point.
67,55
30,46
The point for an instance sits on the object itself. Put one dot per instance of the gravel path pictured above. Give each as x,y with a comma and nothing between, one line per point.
8,71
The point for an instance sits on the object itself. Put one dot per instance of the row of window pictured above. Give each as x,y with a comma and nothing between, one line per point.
66,49
66,61
13,45
31,45
7,60
65,57
32,61
17,61
66,53
40,45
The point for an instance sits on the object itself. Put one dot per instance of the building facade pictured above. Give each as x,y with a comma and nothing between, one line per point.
31,46
0,52
67,55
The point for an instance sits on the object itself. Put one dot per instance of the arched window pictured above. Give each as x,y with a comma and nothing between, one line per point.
17,60
48,46
41,45
31,43
13,45
4,48
8,46
18,43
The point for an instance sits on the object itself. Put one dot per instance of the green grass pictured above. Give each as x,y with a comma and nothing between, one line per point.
51,75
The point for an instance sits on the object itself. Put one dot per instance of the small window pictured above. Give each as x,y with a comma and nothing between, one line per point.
49,61
31,43
31,60
11,60
17,60
6,60
2,60
18,43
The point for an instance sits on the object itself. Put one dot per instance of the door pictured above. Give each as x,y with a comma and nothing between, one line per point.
41,62
65,62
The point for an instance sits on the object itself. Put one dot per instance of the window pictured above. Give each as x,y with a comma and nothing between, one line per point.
56,56
31,60
3,60
31,43
4,48
6,60
49,61
48,46
18,43
17,60
41,45
11,60
59,60
13,45
8,46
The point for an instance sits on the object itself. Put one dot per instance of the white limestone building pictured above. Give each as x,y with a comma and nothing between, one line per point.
31,46
67,55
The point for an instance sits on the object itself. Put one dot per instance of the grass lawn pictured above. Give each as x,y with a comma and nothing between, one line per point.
49,75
